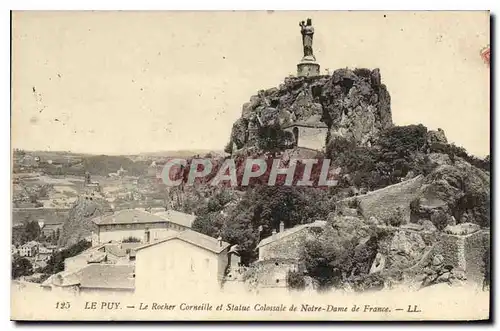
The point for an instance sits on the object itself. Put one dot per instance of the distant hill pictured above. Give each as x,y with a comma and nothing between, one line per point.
68,163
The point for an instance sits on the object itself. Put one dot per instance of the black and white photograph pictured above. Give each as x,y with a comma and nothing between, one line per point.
250,165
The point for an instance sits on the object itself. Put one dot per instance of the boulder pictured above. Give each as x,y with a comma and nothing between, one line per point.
454,190
406,249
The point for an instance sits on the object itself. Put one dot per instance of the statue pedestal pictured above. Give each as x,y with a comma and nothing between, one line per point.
307,69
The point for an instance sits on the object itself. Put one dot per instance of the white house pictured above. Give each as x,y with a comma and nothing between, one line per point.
30,249
186,259
140,225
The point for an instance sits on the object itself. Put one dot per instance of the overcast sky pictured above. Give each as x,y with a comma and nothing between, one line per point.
129,82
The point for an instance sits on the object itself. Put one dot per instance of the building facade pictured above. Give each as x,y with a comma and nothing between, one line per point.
30,249
139,225
188,259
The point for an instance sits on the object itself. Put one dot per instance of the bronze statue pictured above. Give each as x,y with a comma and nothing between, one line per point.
307,31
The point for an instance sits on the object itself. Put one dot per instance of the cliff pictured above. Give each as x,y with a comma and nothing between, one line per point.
79,224
350,103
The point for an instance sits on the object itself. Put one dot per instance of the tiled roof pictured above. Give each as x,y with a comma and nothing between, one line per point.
289,231
177,217
129,216
103,276
107,276
195,238
120,249
64,278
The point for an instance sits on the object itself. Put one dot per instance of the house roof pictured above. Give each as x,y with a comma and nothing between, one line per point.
107,276
31,244
177,217
120,249
128,216
194,238
103,276
290,231
64,278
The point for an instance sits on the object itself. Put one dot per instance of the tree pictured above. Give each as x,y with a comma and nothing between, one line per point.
21,267
31,231
295,280
56,261
209,224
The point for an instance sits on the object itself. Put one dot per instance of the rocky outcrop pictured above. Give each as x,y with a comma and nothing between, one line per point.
406,248
79,224
352,103
454,193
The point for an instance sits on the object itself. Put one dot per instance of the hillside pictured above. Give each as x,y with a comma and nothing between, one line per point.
401,192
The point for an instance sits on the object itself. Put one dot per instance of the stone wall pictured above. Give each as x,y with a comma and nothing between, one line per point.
465,252
383,203
289,247
452,248
272,272
476,245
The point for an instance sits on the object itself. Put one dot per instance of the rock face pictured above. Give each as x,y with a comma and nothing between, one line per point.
79,223
352,103
405,249
454,193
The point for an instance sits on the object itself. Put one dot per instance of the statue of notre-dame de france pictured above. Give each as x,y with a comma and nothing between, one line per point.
307,31
307,66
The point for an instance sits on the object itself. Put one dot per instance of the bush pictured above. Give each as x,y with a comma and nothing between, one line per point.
56,262
295,280
440,219
397,218
371,282
131,239
21,267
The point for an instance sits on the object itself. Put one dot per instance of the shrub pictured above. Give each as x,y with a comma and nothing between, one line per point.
371,282
295,280
439,219
131,239
397,218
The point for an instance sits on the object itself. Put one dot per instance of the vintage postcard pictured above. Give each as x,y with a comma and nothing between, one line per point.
250,166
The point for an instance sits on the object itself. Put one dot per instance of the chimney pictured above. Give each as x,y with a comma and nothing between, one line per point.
274,234
282,226
219,240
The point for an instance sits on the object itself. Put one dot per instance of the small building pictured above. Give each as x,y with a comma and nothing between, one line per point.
139,225
287,243
177,220
109,253
44,254
309,134
187,259
13,250
95,278
30,249
49,229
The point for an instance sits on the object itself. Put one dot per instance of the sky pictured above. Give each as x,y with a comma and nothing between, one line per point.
132,82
